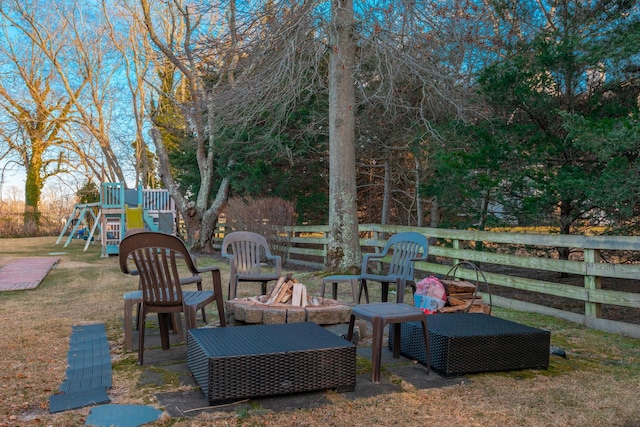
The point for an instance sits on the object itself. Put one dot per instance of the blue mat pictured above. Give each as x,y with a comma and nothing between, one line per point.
89,372
122,415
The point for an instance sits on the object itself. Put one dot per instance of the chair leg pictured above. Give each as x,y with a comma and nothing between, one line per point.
190,317
264,288
141,325
352,321
401,285
363,287
128,314
220,304
233,287
354,290
164,320
385,291
176,322
138,314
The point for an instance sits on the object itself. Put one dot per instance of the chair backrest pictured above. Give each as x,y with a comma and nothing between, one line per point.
155,256
248,250
406,246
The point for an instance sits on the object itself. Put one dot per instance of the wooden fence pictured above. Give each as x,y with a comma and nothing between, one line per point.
511,261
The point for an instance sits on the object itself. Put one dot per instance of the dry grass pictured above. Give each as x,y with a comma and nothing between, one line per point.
597,384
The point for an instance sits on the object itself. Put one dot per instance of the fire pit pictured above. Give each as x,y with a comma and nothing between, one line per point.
287,302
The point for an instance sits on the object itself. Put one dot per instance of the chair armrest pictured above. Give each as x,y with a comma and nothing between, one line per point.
208,268
369,256
366,258
216,277
191,279
196,278
278,261
422,257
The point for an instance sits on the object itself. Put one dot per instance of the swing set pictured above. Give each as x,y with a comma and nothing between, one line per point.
119,210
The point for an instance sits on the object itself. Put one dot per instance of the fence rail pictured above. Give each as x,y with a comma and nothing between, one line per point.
510,260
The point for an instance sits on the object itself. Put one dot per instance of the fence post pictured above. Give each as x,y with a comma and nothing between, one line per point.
325,247
456,243
592,309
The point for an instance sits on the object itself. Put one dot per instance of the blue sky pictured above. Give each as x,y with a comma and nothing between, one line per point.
13,177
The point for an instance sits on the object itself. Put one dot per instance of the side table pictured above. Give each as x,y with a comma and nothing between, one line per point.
381,314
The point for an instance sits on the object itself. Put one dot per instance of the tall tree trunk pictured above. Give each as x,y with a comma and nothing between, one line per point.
33,188
386,193
434,220
566,219
344,249
210,217
419,208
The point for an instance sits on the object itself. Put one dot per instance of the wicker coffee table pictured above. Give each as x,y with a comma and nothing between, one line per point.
263,360
468,343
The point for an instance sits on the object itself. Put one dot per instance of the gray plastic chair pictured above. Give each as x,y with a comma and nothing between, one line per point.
396,262
248,254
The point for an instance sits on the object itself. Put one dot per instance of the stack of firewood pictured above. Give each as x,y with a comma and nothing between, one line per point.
462,297
288,291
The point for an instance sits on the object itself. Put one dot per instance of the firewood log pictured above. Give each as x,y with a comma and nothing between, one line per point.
273,293
296,298
458,286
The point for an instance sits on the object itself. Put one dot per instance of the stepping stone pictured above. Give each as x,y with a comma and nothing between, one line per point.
122,415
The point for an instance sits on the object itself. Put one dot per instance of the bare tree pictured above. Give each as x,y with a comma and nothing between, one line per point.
36,117
414,71
128,36
232,77
90,57
176,47
222,70
60,93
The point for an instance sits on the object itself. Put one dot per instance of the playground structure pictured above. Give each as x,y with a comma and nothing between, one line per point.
121,209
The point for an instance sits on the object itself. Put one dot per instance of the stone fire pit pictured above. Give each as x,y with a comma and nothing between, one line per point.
251,310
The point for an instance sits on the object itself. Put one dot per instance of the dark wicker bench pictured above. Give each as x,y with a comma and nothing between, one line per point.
262,360
467,343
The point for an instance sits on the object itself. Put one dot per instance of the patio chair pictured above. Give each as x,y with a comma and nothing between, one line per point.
134,299
248,254
396,265
158,258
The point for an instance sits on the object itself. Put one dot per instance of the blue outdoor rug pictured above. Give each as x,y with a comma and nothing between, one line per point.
88,375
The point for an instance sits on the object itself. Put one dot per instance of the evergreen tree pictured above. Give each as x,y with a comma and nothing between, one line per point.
563,147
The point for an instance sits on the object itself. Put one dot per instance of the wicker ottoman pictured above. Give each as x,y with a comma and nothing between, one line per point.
262,360
471,343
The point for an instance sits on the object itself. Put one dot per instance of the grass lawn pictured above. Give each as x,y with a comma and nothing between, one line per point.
596,385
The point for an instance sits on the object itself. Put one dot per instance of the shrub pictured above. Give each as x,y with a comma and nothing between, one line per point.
266,216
